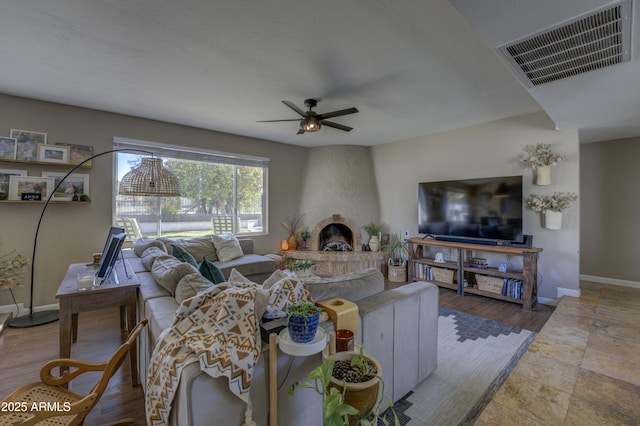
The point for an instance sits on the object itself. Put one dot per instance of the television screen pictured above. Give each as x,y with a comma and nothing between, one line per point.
487,208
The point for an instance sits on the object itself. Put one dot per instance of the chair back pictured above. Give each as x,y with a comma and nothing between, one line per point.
130,226
222,225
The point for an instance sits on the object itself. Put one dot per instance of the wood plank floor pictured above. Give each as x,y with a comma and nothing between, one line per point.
24,351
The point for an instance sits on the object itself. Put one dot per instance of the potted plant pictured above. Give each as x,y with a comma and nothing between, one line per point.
373,229
305,235
540,158
302,268
302,321
346,402
551,206
396,250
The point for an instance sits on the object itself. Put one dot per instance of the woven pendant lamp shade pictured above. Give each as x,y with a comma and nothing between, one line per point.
150,179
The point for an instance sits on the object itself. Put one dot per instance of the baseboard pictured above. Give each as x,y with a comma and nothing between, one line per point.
612,281
11,309
546,301
25,311
561,291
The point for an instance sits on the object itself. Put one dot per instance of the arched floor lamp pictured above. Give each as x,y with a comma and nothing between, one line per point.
149,179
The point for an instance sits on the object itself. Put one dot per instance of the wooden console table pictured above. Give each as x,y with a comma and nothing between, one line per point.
462,268
74,301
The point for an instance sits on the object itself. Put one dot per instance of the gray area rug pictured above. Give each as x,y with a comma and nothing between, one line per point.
475,356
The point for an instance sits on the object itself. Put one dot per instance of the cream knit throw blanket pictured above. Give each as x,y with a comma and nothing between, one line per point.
219,329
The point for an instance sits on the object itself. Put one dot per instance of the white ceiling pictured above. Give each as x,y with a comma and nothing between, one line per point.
412,67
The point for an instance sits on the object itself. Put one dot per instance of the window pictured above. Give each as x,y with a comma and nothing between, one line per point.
221,192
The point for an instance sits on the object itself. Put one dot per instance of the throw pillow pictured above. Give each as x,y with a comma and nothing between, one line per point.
144,243
182,255
262,299
287,291
227,247
277,275
190,285
239,280
198,247
211,271
168,271
149,256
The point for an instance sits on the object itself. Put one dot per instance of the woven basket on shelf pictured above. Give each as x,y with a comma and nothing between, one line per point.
490,284
442,275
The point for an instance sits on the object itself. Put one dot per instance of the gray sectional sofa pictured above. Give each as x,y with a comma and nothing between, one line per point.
399,328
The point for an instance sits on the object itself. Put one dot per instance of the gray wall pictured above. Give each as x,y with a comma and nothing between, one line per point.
70,233
485,150
610,229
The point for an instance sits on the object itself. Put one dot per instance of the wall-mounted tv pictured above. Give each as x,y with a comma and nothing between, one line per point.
487,209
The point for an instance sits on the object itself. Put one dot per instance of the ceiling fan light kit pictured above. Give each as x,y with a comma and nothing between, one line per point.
312,122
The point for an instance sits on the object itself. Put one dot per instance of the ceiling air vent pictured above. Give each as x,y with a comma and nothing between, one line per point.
585,44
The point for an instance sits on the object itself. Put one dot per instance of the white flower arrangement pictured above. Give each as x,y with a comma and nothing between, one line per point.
540,155
557,202
11,269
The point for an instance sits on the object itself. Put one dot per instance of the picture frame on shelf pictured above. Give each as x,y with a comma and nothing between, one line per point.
79,153
30,185
53,154
76,183
27,143
8,148
4,180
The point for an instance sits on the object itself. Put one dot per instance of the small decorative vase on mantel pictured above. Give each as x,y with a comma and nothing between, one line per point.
293,242
552,220
543,175
374,243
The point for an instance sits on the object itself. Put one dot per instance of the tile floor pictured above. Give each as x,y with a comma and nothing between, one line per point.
583,367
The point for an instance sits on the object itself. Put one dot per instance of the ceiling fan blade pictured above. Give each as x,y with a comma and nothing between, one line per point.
336,126
295,108
275,121
300,132
336,113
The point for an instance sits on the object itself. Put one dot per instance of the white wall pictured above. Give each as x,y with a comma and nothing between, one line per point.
485,150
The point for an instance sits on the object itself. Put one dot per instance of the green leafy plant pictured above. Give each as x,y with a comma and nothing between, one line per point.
305,234
373,229
540,155
301,265
335,411
557,202
302,309
396,249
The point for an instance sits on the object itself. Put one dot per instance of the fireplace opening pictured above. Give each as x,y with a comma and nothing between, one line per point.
335,237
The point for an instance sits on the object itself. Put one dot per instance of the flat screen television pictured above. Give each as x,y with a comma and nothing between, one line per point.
477,210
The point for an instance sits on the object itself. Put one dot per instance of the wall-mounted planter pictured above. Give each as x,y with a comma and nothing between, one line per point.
552,220
543,175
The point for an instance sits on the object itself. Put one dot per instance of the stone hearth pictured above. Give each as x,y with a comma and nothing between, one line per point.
334,231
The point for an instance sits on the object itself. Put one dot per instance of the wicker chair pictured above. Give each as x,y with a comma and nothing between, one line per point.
55,405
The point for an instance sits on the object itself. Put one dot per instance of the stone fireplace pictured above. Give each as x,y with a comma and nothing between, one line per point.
336,246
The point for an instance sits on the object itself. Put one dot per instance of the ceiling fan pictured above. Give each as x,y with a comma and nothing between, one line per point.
311,121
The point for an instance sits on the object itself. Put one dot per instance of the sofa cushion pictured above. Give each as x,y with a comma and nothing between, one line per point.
144,243
182,255
190,285
353,286
227,247
161,312
248,265
210,271
149,256
237,279
168,271
198,247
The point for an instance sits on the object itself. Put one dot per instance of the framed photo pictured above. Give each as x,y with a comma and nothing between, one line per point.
79,153
502,267
29,185
27,144
4,181
53,154
8,148
75,183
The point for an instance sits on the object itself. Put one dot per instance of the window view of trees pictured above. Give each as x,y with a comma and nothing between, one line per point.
215,198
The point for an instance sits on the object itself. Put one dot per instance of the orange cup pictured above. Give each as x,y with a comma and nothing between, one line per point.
344,340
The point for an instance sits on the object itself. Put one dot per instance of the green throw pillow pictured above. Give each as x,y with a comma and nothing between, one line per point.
211,271
183,256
